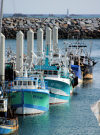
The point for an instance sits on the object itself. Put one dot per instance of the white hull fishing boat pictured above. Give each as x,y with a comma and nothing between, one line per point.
59,83
59,89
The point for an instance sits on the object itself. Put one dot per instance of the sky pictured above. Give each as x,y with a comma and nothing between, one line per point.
52,6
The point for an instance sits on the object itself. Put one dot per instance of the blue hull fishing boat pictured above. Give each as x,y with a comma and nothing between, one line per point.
29,95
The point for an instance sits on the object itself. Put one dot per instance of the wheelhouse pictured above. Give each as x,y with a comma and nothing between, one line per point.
25,82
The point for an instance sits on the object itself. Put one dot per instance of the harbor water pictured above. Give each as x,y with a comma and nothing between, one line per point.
73,118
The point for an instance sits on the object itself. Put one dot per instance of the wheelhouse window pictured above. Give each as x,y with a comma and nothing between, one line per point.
24,82
34,82
45,72
55,73
19,82
15,83
29,82
50,72
1,101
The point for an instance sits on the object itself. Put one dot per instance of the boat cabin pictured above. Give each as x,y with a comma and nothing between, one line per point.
25,82
50,73
48,70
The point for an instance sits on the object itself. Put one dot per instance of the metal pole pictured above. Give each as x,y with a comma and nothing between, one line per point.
1,14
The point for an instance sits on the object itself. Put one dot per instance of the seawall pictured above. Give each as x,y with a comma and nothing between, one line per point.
67,27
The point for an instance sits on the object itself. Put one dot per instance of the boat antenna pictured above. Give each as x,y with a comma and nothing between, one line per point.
67,12
90,49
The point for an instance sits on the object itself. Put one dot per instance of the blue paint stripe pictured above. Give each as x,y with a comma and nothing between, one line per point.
59,96
45,67
29,90
31,106
6,131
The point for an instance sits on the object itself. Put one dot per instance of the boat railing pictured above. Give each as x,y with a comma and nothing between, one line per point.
43,84
19,85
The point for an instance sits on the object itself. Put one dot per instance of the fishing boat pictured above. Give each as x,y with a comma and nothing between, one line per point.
79,55
29,95
59,86
8,122
59,82
59,89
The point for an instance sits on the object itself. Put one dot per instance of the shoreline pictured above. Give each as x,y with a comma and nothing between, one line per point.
68,28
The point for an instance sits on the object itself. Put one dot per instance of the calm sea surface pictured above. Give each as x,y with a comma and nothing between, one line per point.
74,118
75,16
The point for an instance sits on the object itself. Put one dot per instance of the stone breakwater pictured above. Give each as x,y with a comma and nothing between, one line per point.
67,27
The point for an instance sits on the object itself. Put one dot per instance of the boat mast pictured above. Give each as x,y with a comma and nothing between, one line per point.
67,12
1,15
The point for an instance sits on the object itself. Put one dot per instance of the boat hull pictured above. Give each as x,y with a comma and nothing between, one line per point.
88,72
59,91
29,101
4,130
9,126
88,76
58,99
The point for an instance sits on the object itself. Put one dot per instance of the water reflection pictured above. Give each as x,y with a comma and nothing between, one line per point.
40,124
87,83
15,133
33,124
